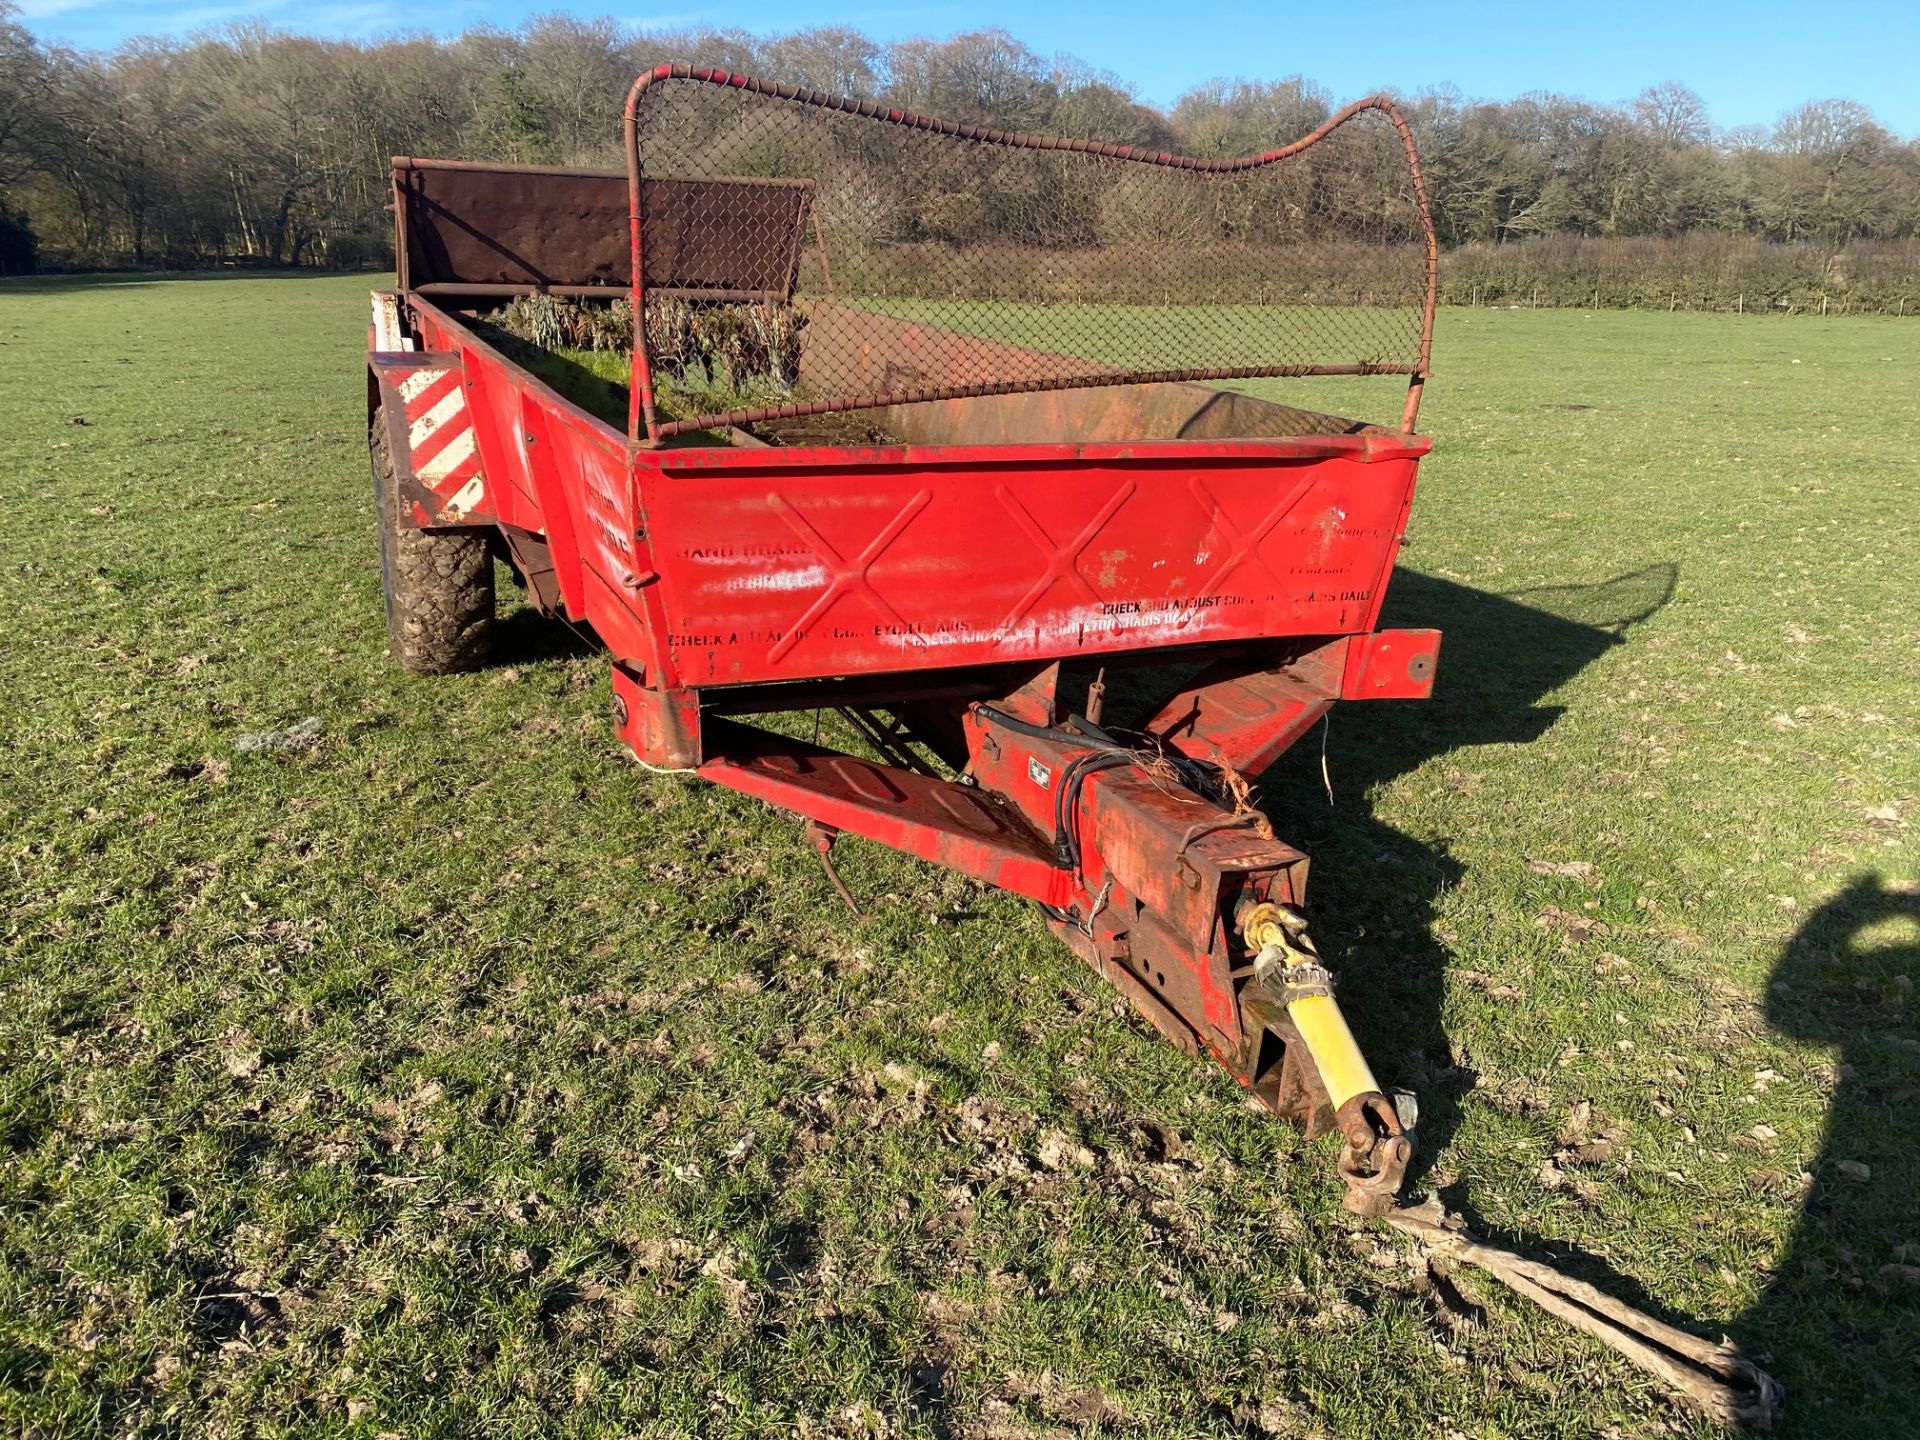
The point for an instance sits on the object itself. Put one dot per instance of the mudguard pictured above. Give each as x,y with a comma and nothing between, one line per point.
421,397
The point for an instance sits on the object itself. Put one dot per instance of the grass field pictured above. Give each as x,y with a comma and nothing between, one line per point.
456,1077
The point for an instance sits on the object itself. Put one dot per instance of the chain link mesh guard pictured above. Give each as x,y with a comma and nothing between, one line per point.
818,254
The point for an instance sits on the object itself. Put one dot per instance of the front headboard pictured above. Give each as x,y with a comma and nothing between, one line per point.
495,229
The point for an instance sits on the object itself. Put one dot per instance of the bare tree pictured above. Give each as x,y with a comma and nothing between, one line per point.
1674,114
831,58
983,77
1823,127
255,143
1094,102
577,70
29,82
1241,117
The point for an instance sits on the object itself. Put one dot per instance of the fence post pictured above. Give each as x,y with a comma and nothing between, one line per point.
1823,304
1740,305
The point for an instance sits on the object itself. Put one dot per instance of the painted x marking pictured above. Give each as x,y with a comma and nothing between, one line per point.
848,575
1062,560
1245,546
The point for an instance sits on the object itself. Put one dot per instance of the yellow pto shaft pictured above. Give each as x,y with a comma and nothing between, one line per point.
1343,1069
1376,1152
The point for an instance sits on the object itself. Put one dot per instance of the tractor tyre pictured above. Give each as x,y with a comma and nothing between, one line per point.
439,584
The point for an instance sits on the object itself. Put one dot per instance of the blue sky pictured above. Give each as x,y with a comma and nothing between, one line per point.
1750,61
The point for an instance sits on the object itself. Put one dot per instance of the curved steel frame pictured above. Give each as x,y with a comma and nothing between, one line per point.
641,414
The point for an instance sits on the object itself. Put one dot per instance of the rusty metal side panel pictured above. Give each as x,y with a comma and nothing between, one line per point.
724,236
495,225
885,353
877,354
783,569
509,225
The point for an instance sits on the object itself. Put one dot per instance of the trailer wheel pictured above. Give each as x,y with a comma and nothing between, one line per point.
439,585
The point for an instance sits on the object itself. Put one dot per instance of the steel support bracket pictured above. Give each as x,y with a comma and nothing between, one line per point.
1391,665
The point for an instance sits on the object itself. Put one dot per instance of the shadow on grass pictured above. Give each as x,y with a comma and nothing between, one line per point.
524,636
1839,1325
1373,888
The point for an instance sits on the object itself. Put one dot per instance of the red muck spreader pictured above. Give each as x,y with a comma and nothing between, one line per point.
826,406
930,425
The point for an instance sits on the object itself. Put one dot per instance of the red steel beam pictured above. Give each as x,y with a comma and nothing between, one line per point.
962,827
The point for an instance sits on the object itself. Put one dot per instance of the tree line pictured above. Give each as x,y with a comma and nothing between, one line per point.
253,146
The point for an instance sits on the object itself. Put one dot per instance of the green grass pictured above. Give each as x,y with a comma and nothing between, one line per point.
596,381
456,1077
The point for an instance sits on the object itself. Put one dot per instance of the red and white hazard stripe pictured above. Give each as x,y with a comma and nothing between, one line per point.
440,436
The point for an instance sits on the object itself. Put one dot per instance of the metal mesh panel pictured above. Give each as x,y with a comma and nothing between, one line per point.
933,261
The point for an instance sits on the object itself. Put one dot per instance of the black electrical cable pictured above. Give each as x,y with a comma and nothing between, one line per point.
1066,799
1047,732
1080,725
1099,751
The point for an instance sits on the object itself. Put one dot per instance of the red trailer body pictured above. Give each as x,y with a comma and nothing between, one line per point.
1034,517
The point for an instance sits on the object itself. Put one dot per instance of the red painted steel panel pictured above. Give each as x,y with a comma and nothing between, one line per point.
565,476
874,561
1391,665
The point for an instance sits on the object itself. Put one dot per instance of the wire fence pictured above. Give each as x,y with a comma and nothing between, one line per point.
884,258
